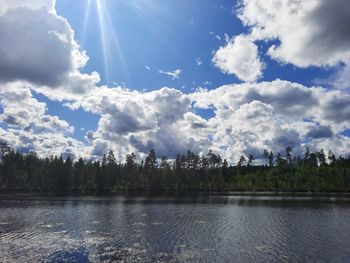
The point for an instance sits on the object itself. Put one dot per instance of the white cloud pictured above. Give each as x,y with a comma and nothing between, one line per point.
310,33
271,115
32,4
239,57
216,36
339,80
22,111
135,121
27,127
304,33
44,144
247,117
19,107
199,61
38,46
173,74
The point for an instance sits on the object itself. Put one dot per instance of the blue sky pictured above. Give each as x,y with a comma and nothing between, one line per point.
290,70
164,35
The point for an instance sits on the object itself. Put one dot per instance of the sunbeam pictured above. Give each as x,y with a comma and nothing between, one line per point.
103,34
114,37
115,21
85,22
109,39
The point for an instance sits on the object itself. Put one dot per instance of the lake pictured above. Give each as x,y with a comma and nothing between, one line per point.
202,228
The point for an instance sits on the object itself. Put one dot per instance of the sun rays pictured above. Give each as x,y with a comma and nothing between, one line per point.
101,15
86,20
110,46
112,19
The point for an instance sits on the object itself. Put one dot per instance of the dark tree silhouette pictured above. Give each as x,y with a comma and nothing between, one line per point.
208,172
241,161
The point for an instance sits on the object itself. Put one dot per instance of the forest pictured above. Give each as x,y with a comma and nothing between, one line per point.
314,172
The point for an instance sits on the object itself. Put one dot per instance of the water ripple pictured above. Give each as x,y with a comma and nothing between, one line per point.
141,229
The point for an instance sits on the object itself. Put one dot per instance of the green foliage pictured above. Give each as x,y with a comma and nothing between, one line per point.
56,175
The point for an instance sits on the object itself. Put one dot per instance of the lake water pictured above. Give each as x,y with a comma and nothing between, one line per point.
215,228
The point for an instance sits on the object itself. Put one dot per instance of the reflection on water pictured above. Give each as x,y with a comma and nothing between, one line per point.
204,228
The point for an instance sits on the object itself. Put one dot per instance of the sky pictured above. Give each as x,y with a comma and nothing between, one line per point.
82,77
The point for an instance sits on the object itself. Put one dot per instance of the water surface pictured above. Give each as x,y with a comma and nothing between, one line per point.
203,228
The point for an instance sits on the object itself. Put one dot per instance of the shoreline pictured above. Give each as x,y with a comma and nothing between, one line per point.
179,194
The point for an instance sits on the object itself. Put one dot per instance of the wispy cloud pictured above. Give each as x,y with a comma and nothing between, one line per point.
199,61
216,36
173,74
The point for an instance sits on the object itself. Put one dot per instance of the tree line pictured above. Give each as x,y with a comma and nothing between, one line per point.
314,171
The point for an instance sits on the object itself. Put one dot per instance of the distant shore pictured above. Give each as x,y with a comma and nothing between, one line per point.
188,173
180,193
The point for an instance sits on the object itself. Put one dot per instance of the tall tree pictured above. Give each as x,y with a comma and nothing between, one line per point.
331,158
151,160
242,161
289,155
266,156
321,158
271,159
250,160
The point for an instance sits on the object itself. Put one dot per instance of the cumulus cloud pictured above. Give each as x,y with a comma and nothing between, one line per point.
44,144
38,53
38,46
19,107
248,117
136,121
319,132
22,111
32,4
339,79
27,127
302,33
310,33
339,142
273,115
239,57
